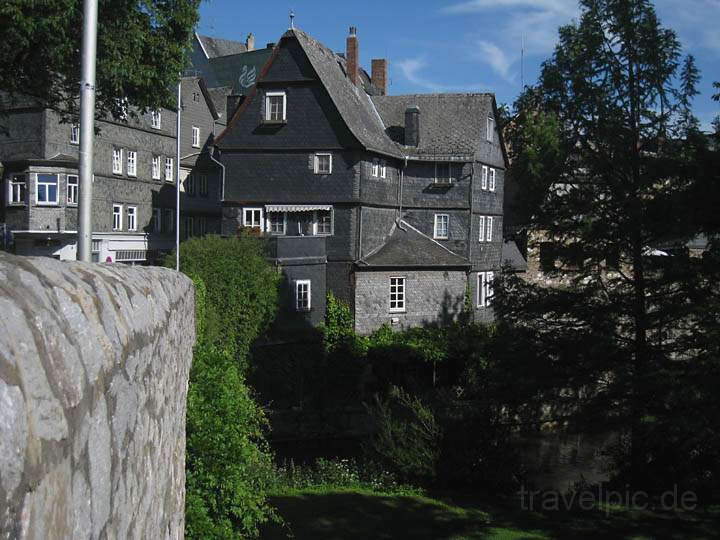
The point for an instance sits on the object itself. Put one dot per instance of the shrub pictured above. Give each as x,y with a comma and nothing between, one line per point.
407,437
240,289
228,463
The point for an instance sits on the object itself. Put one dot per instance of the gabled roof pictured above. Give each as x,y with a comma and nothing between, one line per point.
353,103
214,47
450,124
407,247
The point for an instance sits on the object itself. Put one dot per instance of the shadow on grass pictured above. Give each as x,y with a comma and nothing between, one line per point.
355,515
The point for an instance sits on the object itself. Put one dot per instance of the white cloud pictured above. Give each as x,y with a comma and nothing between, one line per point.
411,70
566,7
494,56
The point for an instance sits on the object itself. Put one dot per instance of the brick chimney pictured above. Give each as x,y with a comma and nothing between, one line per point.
379,75
250,42
412,126
351,54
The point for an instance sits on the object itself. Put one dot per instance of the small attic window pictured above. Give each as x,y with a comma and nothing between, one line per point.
275,107
490,129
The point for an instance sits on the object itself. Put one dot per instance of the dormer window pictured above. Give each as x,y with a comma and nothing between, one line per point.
490,129
323,163
156,119
275,107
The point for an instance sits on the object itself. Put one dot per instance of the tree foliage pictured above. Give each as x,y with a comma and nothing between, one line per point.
142,46
607,145
241,289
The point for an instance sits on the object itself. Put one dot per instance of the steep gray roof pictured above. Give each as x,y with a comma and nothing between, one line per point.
218,96
511,255
353,103
408,247
450,124
215,47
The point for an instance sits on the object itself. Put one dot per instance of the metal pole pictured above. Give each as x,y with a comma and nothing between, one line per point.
87,128
177,177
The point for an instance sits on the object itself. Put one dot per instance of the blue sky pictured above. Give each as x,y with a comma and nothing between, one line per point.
457,45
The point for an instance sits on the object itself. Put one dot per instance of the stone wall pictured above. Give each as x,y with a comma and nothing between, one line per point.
94,366
431,297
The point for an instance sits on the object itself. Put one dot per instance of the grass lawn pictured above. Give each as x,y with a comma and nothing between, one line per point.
356,514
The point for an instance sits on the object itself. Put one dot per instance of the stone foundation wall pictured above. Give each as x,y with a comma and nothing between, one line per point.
94,366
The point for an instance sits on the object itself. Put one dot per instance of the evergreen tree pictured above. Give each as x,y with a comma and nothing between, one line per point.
607,148
142,46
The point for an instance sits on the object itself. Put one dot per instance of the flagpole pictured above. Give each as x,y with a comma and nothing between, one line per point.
177,176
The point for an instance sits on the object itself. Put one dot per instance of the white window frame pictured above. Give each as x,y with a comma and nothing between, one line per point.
132,218
156,119
400,295
268,225
169,169
491,180
383,169
488,228
12,183
436,228
316,224
157,220
45,188
132,163
484,177
481,226
485,290
375,170
117,214
252,221
268,109
490,135
203,185
117,160
303,283
71,189
74,133
195,137
316,161
156,164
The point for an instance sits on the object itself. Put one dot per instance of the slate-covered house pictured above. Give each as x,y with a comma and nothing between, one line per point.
393,203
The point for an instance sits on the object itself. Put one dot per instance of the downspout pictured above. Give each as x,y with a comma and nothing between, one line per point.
222,182
400,199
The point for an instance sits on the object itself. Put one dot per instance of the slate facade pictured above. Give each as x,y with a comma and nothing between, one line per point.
394,209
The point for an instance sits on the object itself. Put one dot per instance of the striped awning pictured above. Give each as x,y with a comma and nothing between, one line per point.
296,207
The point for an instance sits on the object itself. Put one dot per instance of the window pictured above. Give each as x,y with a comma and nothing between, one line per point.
324,222
490,129
383,169
18,189
72,189
156,119
132,218
323,163
442,173
442,226
481,226
252,217
169,169
196,96
484,288
117,156
117,217
169,221
276,222
95,248
203,185
302,295
156,167
375,168
397,294
491,180
74,134
189,226
484,177
275,105
196,137
488,229
47,189
201,226
190,185
132,163
157,220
